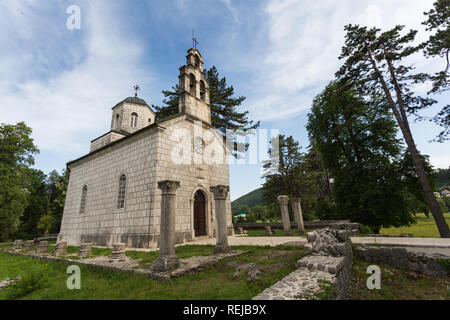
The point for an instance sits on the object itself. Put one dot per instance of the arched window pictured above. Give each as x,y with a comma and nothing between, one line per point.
83,200
134,119
197,61
122,189
192,83
202,90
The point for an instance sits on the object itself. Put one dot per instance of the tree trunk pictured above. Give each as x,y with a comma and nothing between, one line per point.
435,209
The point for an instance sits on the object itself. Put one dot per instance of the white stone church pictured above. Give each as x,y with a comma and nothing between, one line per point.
112,195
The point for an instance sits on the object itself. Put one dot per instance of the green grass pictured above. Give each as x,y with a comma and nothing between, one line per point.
425,227
216,282
278,233
397,284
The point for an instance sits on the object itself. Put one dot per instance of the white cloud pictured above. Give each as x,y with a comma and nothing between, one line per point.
305,40
442,162
70,104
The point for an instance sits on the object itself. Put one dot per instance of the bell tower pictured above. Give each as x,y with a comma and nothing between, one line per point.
194,89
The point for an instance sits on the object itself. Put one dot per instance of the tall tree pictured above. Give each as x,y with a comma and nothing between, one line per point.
373,65
291,176
438,45
35,183
16,153
357,141
56,190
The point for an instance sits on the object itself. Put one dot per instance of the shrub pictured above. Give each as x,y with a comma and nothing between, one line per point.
30,282
363,229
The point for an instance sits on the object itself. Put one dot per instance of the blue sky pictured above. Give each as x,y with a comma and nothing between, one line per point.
277,53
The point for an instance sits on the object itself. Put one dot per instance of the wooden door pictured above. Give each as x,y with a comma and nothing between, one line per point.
199,214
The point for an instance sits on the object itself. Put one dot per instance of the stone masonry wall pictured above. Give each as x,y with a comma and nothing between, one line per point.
401,257
102,223
194,172
145,159
328,262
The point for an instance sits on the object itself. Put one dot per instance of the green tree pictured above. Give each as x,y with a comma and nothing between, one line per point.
16,153
56,189
373,66
291,176
356,138
37,204
438,45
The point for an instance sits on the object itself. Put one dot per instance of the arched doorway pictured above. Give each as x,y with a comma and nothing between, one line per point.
199,214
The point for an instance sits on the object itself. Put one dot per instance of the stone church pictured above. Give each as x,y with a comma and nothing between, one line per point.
113,196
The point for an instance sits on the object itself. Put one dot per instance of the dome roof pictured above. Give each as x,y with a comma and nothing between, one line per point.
135,100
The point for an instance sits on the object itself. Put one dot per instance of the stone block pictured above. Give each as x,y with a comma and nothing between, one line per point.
43,247
18,244
28,245
118,251
61,249
85,250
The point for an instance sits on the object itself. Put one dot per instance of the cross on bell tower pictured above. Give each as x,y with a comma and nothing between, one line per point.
194,40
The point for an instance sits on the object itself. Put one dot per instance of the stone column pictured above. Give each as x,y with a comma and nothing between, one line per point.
28,245
61,249
297,207
220,195
18,244
85,250
268,231
167,259
118,251
43,247
284,201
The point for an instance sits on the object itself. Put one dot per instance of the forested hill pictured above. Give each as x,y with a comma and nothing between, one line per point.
251,199
443,178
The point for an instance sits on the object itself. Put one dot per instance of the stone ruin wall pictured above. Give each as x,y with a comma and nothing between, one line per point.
328,262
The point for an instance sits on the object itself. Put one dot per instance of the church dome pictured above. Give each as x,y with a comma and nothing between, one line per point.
135,100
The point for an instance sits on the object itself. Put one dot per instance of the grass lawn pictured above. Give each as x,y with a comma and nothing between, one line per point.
278,233
425,227
216,282
397,284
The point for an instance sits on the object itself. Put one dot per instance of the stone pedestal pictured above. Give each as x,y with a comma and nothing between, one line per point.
284,202
220,195
167,259
28,245
61,249
85,250
118,252
43,247
18,244
268,231
298,216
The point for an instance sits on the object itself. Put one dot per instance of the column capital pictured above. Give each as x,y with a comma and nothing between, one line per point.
296,200
220,191
168,186
283,200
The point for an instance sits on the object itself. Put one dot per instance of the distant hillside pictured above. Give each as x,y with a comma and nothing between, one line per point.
443,178
251,199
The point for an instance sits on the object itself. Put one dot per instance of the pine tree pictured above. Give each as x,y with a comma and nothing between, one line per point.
373,66
438,45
